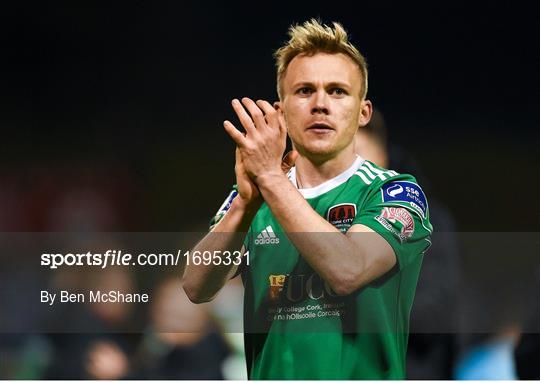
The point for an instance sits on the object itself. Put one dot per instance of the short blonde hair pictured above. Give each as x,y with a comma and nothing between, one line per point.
314,37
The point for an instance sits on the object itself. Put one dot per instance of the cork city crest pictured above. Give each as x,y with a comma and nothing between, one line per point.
342,215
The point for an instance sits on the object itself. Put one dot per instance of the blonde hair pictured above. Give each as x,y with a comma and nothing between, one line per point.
314,37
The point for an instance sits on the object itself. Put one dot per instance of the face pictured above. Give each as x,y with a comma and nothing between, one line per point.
321,104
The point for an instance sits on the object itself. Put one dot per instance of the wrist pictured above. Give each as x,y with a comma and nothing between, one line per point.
244,207
238,218
270,179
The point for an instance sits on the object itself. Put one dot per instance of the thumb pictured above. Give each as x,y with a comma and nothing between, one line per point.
289,160
238,156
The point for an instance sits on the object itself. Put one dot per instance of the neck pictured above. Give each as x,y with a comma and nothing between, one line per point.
310,173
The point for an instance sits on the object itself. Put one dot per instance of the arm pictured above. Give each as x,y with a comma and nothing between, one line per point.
203,282
345,262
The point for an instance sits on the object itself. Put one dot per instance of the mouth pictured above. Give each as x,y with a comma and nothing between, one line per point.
320,128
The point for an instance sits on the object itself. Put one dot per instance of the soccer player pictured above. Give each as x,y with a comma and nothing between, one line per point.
335,245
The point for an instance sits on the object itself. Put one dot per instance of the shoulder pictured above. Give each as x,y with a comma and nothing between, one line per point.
371,174
392,188
396,207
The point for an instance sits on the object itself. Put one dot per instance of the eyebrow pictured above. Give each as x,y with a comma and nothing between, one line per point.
332,84
337,84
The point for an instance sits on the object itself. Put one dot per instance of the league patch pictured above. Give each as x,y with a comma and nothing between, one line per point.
400,219
341,216
408,192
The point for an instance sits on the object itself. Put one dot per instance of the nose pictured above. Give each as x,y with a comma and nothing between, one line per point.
320,103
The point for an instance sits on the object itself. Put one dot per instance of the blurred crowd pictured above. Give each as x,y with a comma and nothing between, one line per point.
171,338
168,338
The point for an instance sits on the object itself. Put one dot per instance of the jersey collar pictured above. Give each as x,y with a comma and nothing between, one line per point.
322,188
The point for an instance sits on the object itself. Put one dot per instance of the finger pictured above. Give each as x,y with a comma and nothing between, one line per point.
233,132
244,117
282,123
256,113
270,113
289,160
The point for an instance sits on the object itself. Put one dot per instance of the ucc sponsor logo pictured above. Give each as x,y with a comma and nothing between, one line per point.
297,288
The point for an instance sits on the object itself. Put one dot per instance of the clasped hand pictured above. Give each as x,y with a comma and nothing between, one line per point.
259,151
262,146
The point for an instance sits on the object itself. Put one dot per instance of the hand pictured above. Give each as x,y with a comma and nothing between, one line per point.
247,190
263,145
288,161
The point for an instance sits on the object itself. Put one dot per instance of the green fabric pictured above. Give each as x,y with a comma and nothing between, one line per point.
297,328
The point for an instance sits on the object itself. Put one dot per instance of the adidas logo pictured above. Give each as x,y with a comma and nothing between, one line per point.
267,236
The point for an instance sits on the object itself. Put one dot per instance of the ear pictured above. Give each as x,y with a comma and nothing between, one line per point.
365,113
281,116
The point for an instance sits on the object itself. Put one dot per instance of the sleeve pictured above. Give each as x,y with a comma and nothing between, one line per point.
224,207
398,211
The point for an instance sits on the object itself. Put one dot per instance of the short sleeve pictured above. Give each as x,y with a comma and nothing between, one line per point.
225,206
398,211
221,212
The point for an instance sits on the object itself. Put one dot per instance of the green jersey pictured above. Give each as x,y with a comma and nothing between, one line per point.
295,326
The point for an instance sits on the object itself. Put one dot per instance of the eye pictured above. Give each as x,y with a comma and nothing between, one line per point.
304,90
338,91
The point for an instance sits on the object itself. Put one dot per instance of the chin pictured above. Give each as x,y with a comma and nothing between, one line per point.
319,150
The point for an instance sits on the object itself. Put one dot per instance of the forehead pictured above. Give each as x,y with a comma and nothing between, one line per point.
323,68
